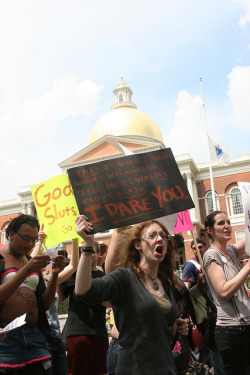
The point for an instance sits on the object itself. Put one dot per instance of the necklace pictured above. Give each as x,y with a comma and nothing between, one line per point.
155,284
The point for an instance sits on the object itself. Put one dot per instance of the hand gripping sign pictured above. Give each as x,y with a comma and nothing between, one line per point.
130,189
56,209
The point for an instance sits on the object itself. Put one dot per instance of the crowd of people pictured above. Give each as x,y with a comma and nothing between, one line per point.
152,312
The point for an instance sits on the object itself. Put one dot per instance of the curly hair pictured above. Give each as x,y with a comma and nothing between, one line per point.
16,223
130,256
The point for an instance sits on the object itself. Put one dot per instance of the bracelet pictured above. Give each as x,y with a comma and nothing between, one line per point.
87,249
86,253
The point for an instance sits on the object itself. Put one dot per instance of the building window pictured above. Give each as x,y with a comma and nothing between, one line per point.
120,98
3,238
237,206
209,202
239,235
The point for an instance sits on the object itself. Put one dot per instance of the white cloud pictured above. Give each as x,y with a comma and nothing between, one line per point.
245,18
239,94
67,98
188,134
30,151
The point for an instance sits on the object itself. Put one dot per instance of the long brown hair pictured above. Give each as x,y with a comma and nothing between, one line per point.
210,221
130,256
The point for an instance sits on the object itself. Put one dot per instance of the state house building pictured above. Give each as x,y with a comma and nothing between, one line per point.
137,132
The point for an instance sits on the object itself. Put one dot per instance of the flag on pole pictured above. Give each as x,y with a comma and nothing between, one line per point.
218,153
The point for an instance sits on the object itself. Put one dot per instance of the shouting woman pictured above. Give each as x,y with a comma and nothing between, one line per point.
140,292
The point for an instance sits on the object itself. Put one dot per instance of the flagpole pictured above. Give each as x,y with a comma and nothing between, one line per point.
209,154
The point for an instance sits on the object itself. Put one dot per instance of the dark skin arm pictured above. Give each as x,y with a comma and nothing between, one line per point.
49,294
60,294
9,288
2,336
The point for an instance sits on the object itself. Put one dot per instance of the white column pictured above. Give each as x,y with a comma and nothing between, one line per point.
196,201
23,208
30,210
191,192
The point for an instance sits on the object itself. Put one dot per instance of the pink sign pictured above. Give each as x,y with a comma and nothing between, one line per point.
183,222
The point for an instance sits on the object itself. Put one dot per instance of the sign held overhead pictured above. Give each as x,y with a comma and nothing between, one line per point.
130,189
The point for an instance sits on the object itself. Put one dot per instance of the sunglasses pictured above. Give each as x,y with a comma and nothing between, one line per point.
27,238
199,247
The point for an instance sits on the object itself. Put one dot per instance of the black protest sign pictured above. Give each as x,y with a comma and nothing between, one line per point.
130,189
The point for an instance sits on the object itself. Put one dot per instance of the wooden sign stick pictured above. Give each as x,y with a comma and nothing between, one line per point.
198,251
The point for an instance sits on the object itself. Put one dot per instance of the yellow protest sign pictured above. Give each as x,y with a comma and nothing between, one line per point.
56,209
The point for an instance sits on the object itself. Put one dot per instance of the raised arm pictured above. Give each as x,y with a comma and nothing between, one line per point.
49,294
61,296
117,240
72,266
226,289
38,249
240,246
83,275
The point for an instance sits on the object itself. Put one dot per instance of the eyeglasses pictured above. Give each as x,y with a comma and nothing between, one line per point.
153,236
244,260
27,238
199,247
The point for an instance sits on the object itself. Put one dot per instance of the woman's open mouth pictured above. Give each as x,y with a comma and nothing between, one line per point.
159,250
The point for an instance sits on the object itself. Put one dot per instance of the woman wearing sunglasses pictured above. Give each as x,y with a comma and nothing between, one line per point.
22,291
226,281
140,292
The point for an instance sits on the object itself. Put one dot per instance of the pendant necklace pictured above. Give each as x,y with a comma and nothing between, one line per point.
155,284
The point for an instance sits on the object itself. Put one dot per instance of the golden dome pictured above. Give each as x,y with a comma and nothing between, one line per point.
125,119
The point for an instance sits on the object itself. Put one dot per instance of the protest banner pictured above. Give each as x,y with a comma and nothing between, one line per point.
245,193
56,209
168,222
183,222
130,189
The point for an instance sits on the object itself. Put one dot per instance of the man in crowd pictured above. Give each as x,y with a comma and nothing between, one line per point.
191,270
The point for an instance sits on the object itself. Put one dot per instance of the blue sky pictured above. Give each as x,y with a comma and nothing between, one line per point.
61,59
